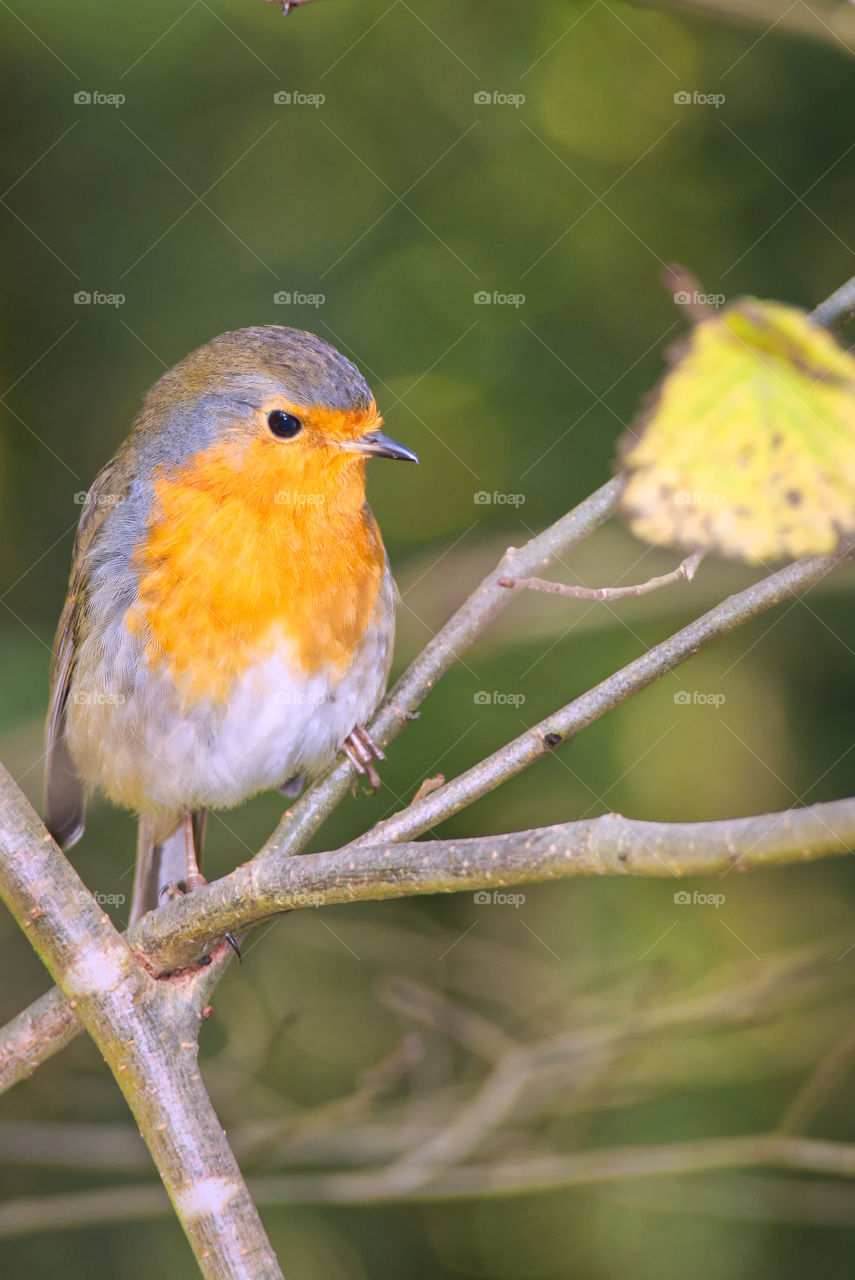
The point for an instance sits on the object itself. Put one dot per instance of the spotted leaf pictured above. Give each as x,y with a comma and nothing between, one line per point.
748,446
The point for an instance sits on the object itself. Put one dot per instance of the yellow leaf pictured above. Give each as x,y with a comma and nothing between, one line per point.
748,448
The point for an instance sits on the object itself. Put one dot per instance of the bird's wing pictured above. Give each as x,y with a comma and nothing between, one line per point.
65,800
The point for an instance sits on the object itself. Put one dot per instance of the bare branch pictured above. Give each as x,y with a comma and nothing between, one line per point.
832,24
462,629
683,573
176,934
544,737
47,1026
814,1093
147,1030
147,1033
524,1176
837,308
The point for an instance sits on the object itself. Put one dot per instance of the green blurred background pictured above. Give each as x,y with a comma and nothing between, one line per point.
383,211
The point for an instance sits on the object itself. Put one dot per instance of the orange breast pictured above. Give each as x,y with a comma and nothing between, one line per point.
239,557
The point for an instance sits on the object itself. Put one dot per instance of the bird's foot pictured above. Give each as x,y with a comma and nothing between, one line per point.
361,750
171,891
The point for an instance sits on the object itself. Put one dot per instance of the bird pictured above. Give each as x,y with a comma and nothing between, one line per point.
230,615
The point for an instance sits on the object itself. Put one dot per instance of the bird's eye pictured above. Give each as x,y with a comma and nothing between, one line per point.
284,425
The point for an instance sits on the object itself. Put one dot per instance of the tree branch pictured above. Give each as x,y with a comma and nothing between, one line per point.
684,572
484,604
839,306
608,845
544,737
179,931
147,1033
147,1030
524,1176
832,24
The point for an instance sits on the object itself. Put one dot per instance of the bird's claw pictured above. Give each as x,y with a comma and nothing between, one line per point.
361,750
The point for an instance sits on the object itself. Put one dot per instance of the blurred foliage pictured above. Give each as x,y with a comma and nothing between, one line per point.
399,198
749,446
748,449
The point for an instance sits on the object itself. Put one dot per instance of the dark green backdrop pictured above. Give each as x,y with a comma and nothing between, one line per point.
382,211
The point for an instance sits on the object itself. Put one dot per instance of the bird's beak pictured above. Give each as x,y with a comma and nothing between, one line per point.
377,445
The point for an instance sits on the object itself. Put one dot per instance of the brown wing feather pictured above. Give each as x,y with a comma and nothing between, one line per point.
65,799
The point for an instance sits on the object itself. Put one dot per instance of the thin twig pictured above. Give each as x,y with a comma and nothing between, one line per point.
147,1030
484,604
686,293
544,737
832,24
176,934
524,1176
837,308
830,1072
683,573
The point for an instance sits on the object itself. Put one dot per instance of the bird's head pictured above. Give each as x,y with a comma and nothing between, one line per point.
279,410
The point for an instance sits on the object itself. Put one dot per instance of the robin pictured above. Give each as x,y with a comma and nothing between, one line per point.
231,613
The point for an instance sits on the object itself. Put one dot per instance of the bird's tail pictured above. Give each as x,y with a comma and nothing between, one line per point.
162,860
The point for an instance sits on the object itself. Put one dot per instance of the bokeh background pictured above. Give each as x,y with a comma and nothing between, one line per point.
545,157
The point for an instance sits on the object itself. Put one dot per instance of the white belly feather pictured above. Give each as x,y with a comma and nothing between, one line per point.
129,738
